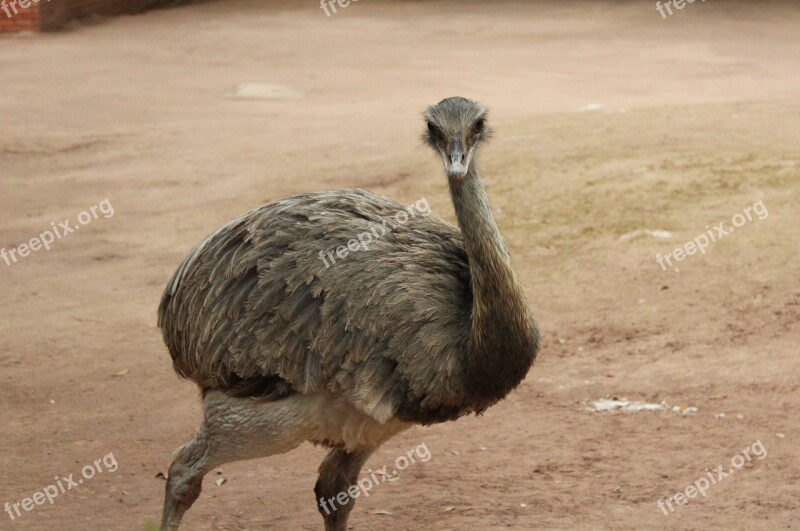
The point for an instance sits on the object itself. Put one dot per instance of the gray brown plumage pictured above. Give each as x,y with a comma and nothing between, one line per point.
424,324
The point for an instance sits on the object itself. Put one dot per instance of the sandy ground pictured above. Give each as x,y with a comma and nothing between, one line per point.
609,120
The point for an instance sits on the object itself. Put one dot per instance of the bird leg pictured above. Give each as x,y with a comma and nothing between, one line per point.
337,473
233,429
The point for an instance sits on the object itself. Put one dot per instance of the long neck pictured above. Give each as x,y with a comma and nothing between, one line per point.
503,337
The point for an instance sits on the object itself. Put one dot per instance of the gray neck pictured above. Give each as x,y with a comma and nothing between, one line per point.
490,267
503,338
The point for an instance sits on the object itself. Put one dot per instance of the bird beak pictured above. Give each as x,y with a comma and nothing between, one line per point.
457,162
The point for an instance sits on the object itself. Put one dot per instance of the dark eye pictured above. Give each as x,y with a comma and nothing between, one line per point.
478,127
433,131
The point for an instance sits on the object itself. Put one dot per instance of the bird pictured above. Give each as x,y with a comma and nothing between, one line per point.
425,324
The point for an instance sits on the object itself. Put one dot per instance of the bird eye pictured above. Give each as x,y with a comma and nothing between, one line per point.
478,127
433,132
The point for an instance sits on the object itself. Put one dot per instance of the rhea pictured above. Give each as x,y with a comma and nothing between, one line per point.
429,324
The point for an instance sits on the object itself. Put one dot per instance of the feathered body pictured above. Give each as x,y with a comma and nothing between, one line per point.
254,310
344,328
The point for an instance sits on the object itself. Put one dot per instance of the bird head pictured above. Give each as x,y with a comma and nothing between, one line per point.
456,126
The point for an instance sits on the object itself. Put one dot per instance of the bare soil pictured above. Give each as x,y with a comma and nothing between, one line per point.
609,120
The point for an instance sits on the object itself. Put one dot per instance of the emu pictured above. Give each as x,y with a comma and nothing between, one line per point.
427,325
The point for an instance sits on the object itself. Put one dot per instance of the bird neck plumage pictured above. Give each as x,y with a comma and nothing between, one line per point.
503,340
488,257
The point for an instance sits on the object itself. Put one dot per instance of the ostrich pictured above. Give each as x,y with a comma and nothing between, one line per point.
425,326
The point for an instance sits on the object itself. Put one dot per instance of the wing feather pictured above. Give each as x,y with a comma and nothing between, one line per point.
385,327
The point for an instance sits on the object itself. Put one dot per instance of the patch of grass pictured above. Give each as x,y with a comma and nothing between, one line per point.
592,177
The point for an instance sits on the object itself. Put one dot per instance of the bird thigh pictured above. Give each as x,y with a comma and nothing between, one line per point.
239,429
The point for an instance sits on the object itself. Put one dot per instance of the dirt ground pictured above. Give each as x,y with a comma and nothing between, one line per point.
610,121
